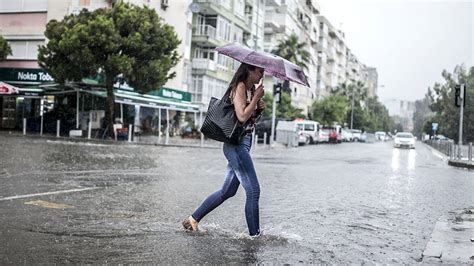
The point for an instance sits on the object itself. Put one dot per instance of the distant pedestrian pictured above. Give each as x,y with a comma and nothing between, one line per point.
248,103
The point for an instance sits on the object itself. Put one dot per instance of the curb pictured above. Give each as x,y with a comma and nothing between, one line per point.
461,163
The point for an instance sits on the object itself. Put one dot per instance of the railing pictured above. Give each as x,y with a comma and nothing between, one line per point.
452,150
222,3
204,63
206,30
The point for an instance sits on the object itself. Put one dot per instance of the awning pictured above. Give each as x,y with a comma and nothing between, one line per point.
151,101
6,88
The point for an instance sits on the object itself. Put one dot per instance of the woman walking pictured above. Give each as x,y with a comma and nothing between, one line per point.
248,104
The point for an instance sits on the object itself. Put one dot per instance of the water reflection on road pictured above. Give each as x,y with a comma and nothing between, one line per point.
342,203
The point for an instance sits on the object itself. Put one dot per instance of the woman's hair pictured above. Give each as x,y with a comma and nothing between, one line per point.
240,76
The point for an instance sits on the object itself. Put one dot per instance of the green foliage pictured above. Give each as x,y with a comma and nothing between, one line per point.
446,113
331,109
374,117
293,51
5,49
284,108
126,40
422,114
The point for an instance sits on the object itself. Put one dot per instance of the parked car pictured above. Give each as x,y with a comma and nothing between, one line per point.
404,140
441,137
380,135
347,135
356,134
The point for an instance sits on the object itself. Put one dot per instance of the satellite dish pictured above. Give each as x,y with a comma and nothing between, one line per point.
195,7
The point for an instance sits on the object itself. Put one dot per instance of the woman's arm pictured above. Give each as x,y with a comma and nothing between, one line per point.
243,110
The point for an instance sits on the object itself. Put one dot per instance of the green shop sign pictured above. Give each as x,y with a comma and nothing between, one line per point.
172,94
27,75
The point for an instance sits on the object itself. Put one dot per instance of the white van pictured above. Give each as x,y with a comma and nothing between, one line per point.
310,129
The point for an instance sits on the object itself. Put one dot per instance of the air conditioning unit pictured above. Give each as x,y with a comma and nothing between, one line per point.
164,4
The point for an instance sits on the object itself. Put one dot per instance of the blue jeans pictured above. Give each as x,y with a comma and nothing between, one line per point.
240,170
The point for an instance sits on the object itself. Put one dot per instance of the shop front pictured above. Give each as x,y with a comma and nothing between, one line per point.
25,99
39,103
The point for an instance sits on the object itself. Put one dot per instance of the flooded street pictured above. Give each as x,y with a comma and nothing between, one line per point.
74,202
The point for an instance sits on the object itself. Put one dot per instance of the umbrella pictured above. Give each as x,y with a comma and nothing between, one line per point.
273,64
8,89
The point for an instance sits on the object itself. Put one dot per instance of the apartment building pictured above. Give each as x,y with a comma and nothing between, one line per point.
332,58
372,81
283,18
216,23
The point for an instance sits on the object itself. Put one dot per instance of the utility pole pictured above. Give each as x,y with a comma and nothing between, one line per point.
276,100
461,114
352,106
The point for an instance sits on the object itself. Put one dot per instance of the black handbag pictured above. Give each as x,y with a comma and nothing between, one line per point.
221,122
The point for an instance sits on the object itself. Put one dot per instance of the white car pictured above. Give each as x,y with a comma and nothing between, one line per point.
404,140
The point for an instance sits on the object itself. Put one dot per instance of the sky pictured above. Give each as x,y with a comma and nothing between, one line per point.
410,42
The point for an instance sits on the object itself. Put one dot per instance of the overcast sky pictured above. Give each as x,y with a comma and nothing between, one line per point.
409,42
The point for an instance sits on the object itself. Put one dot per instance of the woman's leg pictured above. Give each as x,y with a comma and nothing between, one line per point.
241,162
229,188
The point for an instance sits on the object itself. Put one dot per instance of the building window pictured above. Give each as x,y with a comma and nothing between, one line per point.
238,34
84,2
223,29
27,50
239,8
7,6
207,53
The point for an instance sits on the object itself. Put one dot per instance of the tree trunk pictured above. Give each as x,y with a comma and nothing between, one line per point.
109,110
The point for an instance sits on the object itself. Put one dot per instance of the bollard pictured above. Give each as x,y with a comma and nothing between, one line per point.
264,139
470,152
130,133
454,151
24,126
89,129
58,127
41,126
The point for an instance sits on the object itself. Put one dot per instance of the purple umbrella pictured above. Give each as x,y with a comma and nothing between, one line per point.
273,64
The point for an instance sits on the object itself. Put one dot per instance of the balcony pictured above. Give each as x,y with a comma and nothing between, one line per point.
204,63
205,35
313,6
219,3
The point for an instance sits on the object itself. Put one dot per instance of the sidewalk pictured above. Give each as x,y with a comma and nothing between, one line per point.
452,240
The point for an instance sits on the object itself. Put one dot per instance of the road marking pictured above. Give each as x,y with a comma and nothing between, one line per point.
49,205
48,193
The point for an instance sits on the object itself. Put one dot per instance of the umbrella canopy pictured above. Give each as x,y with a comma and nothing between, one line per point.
273,64
8,89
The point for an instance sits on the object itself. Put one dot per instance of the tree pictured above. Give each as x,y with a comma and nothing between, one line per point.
446,114
331,109
284,108
355,93
422,114
126,40
5,49
293,51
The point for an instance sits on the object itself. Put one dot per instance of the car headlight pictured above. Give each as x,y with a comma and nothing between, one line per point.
397,141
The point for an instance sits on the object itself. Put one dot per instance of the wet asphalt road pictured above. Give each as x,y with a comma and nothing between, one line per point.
345,203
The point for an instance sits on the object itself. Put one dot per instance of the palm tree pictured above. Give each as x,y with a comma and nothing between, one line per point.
356,92
293,51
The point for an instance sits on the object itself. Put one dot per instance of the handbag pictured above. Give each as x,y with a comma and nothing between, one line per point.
221,122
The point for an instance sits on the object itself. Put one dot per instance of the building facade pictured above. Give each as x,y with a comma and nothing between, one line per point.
216,23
